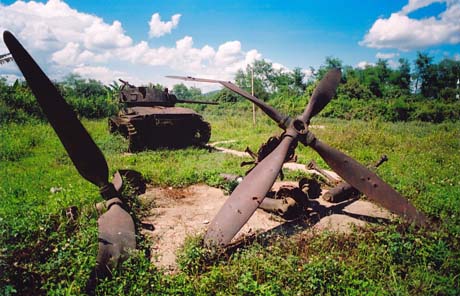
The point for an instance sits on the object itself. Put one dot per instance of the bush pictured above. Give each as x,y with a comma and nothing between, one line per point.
18,104
436,111
400,109
93,107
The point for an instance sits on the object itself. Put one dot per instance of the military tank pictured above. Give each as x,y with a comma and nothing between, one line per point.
149,119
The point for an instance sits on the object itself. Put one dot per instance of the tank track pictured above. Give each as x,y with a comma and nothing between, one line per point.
202,133
135,142
197,133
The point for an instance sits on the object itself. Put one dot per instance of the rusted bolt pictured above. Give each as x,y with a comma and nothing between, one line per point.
312,165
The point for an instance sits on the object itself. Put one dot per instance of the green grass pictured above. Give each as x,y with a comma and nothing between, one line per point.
40,249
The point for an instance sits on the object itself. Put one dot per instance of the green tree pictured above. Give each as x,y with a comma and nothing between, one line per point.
354,89
401,78
448,73
372,81
181,91
329,63
226,95
426,75
76,86
383,71
263,78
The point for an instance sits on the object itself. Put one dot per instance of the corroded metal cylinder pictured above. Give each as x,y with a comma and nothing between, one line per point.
341,192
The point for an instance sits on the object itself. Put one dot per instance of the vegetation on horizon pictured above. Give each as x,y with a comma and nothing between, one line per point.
425,92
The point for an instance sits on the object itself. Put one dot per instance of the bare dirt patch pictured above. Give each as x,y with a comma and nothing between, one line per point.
178,213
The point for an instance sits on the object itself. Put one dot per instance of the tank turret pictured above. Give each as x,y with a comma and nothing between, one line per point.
150,96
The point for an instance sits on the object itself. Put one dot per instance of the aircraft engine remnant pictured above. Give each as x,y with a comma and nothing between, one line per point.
290,202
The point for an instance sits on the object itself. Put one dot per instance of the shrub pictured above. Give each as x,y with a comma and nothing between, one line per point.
18,104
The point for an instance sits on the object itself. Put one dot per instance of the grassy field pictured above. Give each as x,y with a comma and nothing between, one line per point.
41,252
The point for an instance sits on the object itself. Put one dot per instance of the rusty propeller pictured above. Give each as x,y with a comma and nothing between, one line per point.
116,226
249,194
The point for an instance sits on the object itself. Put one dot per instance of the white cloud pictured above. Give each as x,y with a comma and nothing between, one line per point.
309,74
364,64
414,5
102,74
11,78
159,28
280,67
64,40
104,36
405,33
457,57
393,64
386,56
50,26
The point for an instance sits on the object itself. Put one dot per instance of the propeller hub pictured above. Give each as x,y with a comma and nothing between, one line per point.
300,126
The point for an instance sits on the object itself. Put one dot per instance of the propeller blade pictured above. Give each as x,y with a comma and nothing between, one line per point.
190,78
322,94
85,155
368,183
274,114
247,197
116,236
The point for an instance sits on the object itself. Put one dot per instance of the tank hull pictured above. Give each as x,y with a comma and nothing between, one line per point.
154,127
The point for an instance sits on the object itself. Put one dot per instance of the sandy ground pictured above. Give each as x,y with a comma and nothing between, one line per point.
179,213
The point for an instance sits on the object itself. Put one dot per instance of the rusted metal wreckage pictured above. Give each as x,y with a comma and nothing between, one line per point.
150,119
116,227
252,191
342,190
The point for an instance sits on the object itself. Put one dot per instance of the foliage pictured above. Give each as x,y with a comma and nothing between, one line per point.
268,80
226,95
392,110
43,252
182,92
90,99
75,86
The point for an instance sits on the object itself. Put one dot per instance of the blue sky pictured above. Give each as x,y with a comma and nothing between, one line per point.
111,39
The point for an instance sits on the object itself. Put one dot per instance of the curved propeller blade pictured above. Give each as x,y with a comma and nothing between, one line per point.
274,114
190,78
116,226
322,94
247,197
116,236
368,183
85,155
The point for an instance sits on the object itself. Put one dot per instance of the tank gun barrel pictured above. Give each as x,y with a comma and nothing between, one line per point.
197,102
125,82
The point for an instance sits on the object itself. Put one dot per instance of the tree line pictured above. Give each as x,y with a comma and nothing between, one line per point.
424,79
421,90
